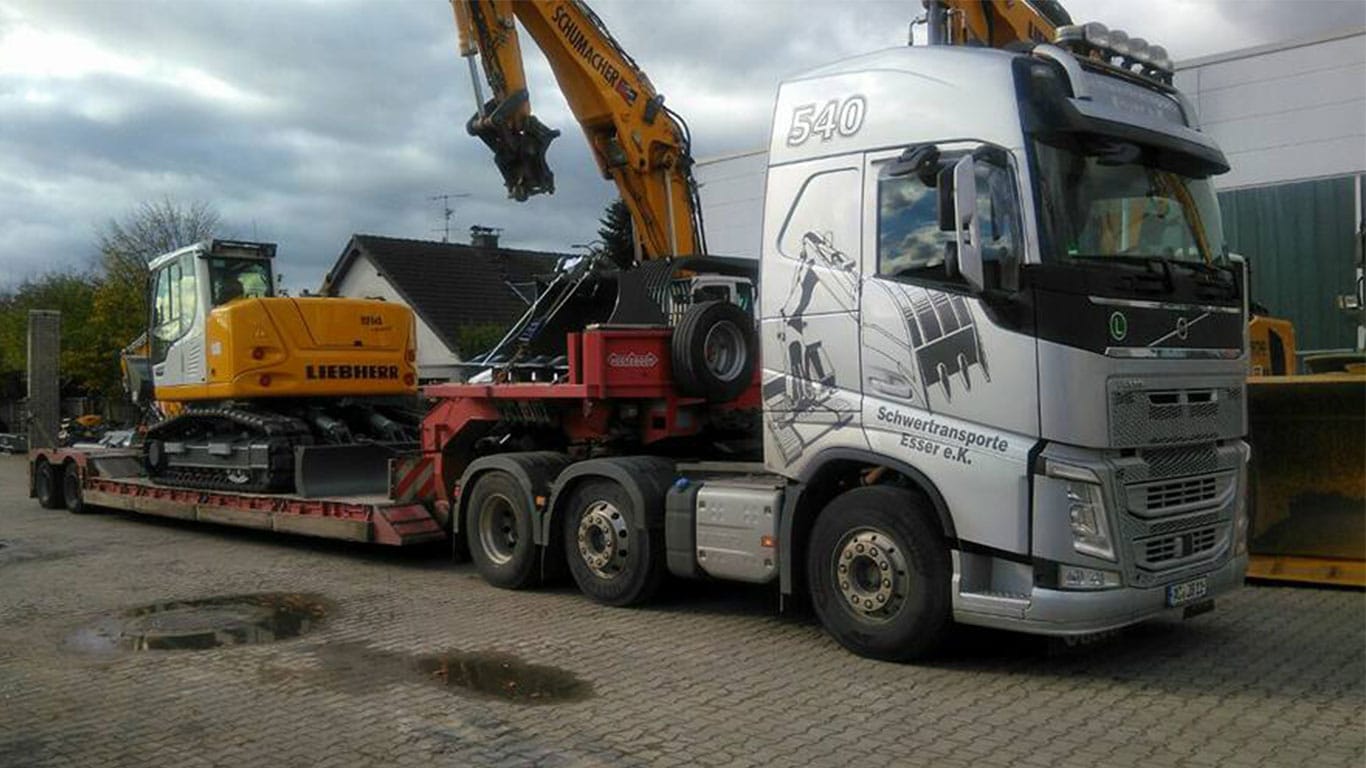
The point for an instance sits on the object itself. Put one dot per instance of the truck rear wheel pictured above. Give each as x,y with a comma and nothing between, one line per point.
613,560
499,526
47,486
71,490
879,573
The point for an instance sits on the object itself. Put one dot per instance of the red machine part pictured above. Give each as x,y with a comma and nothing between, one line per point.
608,368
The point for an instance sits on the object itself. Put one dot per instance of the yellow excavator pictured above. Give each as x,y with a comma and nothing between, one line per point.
263,393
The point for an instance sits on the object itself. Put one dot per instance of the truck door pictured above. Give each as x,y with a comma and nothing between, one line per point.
809,308
928,342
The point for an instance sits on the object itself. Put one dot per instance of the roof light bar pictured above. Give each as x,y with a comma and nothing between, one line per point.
1115,47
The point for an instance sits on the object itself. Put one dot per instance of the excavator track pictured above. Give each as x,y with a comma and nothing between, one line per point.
226,448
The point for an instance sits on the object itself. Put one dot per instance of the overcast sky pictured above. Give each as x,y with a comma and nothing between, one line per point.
304,122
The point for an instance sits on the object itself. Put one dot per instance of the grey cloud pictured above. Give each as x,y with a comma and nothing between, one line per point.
358,108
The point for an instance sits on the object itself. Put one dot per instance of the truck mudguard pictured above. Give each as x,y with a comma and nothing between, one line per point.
535,472
645,478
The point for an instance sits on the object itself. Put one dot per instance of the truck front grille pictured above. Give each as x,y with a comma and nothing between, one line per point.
1165,551
1181,493
1176,510
1140,416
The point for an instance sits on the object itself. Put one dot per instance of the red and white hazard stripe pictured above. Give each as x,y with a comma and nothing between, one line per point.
412,478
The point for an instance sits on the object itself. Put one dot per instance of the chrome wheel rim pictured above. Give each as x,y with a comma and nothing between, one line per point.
871,573
602,539
498,528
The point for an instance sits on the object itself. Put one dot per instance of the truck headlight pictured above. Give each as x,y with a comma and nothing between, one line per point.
1085,510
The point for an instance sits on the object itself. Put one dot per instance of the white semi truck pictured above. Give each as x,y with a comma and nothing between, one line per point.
1001,361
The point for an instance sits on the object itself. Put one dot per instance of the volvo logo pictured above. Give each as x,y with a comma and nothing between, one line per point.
1119,326
1183,328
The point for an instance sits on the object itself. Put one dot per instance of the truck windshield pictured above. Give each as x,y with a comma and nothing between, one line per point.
1113,205
234,278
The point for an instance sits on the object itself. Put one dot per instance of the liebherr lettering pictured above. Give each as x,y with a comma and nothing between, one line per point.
351,371
579,42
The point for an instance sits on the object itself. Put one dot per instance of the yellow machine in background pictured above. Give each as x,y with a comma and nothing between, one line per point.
1308,470
259,392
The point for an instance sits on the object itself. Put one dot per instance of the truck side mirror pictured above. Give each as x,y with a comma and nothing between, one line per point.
966,258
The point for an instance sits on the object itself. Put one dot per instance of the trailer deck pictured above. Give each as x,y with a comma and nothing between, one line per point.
112,479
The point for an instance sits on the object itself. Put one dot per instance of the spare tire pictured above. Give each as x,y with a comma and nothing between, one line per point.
714,352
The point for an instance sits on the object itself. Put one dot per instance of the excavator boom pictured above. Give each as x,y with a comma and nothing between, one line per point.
998,23
638,143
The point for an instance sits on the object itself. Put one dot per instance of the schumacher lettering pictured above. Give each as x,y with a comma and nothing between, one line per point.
578,40
351,371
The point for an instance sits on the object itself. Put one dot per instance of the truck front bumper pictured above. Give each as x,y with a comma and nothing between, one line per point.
1061,612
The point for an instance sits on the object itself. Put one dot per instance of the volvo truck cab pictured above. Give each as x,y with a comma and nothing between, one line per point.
1012,264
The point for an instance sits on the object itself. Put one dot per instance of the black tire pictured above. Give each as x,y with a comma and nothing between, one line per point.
724,333
72,490
47,486
500,529
871,533
627,563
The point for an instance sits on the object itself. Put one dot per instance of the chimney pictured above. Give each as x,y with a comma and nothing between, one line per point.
484,237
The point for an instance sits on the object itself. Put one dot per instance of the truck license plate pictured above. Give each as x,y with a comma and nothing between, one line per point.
1187,591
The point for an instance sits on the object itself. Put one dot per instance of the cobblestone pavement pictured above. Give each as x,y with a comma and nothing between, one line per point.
710,675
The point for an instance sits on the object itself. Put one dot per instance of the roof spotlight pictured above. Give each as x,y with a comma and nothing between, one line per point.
1119,43
1139,51
1158,58
1096,34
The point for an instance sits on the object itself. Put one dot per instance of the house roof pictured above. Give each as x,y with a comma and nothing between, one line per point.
449,285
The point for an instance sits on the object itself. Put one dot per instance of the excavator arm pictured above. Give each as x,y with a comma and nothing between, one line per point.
641,145
998,23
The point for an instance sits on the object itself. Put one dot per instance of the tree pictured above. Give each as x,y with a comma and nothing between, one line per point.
71,294
617,234
126,246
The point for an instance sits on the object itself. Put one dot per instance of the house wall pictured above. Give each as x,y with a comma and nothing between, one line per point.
434,359
1291,118
1284,113
732,193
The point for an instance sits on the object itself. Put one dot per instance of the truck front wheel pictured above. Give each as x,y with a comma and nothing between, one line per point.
879,573
613,560
499,525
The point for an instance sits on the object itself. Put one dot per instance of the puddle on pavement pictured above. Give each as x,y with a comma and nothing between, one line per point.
208,623
504,676
355,667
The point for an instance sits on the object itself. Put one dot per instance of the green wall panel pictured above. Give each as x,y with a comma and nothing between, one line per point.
1298,238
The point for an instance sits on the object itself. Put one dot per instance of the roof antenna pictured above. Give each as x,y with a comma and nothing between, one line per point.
447,211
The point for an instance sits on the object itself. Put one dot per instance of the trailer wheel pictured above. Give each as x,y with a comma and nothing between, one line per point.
499,526
713,351
879,573
612,560
71,489
47,486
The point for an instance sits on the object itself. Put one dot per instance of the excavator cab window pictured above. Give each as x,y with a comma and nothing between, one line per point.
235,278
174,300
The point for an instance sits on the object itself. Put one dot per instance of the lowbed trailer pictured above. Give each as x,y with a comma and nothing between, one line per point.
114,479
